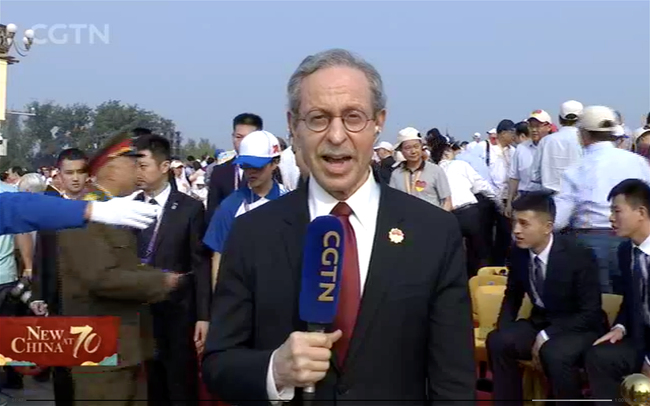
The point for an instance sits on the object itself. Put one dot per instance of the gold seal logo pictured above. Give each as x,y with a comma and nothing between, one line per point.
635,389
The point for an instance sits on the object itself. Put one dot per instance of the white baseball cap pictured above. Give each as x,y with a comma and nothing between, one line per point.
177,164
407,134
541,116
477,135
639,132
385,145
571,107
258,149
492,131
598,118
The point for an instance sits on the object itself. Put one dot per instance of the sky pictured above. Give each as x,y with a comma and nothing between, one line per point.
456,65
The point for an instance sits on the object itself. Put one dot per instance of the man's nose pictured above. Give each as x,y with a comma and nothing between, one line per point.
336,133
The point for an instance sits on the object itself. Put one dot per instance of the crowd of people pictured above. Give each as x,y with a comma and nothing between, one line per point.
564,205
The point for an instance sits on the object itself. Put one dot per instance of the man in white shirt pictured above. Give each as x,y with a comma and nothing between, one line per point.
414,319
582,203
476,139
288,167
498,158
557,151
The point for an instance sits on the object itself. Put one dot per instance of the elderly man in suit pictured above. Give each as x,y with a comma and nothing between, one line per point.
561,278
403,330
101,275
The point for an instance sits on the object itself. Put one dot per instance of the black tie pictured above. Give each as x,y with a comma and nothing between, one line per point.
146,235
538,277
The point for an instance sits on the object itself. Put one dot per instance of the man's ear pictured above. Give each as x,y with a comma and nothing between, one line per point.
165,166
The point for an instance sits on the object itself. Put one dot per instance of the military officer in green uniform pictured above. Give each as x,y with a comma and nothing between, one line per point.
101,275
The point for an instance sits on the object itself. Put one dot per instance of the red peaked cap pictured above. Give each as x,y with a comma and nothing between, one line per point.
119,145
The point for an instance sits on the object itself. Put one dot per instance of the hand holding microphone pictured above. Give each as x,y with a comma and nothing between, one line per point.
304,358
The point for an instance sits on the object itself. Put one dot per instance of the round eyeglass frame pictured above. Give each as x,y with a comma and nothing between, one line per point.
363,121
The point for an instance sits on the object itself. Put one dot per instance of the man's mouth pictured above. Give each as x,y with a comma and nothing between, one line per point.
336,159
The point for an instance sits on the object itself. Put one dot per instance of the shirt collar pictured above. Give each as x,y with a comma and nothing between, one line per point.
250,197
419,168
162,197
543,256
645,246
364,202
599,146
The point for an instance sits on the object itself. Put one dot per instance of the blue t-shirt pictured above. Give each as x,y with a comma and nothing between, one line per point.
239,202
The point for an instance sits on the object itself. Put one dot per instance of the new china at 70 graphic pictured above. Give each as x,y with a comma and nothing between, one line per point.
59,341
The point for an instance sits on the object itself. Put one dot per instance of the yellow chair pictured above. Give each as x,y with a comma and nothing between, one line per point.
611,306
493,270
488,301
534,380
483,280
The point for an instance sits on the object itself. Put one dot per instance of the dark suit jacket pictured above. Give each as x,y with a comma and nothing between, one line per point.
572,301
630,314
222,184
179,248
414,334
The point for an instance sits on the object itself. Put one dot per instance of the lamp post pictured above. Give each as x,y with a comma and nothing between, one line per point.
7,44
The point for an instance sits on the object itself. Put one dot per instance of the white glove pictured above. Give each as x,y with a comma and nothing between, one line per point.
123,211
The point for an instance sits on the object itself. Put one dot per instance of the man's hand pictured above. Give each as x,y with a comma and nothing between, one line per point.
645,370
38,307
123,211
172,280
614,335
539,342
200,334
507,210
303,359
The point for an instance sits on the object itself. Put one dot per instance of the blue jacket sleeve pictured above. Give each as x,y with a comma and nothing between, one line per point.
221,222
25,212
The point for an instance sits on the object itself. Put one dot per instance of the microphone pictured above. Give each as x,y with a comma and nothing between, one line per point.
321,275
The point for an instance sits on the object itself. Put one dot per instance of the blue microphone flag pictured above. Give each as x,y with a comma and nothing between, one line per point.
322,264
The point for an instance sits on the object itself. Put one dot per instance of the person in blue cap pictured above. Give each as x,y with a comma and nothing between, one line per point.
259,156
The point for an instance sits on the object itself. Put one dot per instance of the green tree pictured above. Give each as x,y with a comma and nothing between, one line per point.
197,150
19,148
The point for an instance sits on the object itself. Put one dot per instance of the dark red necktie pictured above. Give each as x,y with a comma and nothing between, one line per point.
350,293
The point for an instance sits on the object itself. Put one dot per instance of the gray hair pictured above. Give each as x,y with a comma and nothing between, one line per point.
32,183
333,58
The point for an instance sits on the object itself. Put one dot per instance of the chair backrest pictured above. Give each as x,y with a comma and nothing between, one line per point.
611,306
526,308
483,280
493,270
488,301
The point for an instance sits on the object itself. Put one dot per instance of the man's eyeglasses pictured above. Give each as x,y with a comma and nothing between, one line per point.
354,120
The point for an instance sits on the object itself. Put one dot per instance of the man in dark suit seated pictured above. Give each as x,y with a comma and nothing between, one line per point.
561,278
624,349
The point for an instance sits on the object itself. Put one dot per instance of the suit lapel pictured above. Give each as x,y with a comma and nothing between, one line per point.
384,264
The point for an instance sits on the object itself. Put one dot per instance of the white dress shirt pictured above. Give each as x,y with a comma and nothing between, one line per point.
464,183
365,206
161,201
521,166
289,170
543,257
500,159
582,201
556,153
